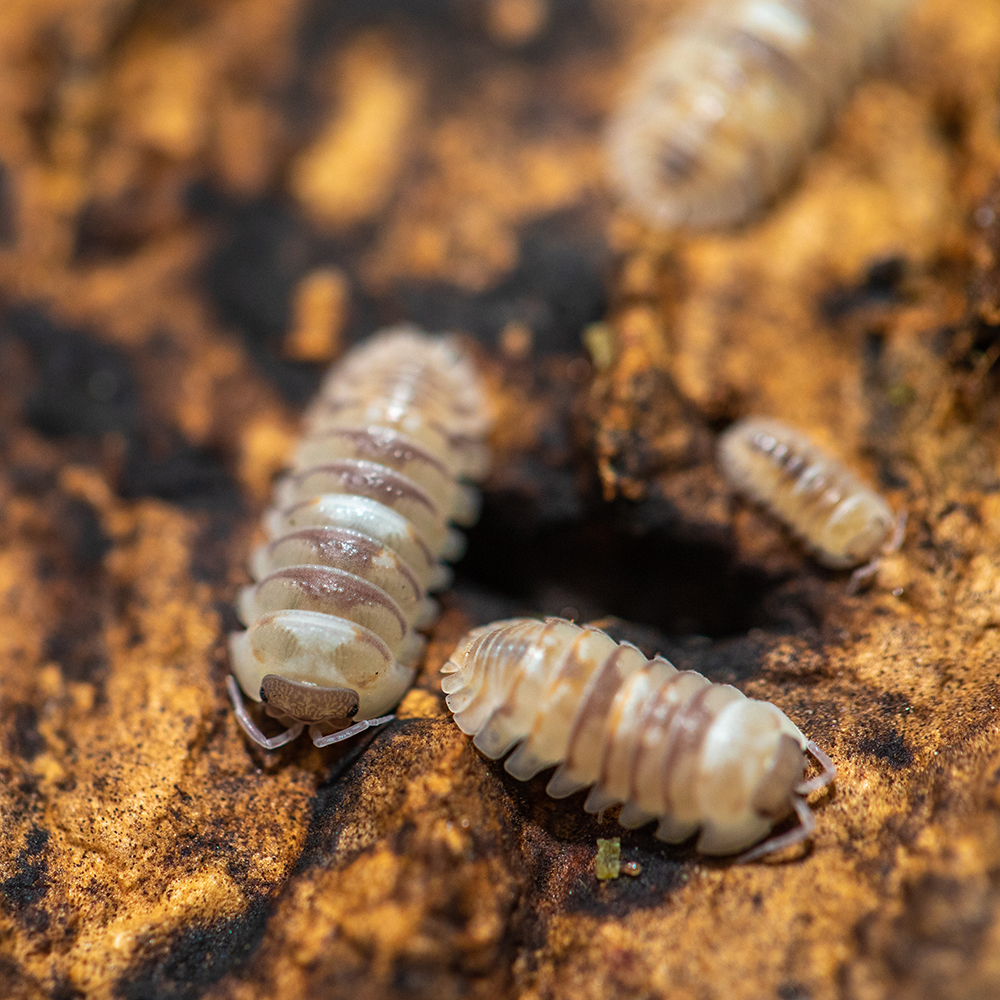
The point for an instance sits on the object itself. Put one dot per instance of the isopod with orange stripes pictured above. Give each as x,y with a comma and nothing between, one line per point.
842,521
668,744
727,104
357,537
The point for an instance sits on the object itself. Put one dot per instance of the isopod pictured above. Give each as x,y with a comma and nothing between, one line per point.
357,535
727,105
841,520
669,744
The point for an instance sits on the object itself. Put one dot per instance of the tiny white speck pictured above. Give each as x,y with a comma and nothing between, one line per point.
709,107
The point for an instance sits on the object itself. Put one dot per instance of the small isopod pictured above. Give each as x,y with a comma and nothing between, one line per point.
841,520
727,105
669,744
357,535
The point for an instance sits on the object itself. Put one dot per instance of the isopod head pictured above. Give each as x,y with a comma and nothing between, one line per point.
751,764
858,530
321,650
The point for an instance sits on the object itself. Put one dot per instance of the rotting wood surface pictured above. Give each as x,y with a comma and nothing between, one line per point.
195,210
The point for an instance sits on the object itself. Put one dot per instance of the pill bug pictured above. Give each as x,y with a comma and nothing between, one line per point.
841,520
669,744
728,103
356,538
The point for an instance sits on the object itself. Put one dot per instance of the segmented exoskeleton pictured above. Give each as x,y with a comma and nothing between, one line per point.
841,520
357,534
669,744
726,106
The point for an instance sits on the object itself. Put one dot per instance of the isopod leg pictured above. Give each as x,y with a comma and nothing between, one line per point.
862,575
248,726
802,832
895,542
346,734
821,780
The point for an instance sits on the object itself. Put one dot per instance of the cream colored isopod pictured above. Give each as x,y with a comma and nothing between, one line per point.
669,744
842,521
726,106
357,535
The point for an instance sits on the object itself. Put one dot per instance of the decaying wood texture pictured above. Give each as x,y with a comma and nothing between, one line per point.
201,203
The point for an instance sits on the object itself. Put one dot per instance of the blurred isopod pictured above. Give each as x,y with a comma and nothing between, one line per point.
669,744
358,531
841,520
727,105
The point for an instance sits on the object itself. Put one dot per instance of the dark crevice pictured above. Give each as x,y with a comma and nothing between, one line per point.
556,288
454,33
664,585
86,389
83,387
24,891
883,285
8,208
194,958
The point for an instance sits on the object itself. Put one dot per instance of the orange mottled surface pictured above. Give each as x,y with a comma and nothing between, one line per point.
203,201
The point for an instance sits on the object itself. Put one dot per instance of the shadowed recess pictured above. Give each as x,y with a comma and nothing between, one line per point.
250,276
591,560
89,389
8,228
343,783
557,288
454,31
886,744
83,387
559,842
24,891
882,285
194,958
25,740
182,474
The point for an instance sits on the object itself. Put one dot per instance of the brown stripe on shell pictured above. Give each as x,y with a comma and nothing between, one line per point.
412,534
771,57
677,162
597,701
370,479
353,548
730,80
329,584
687,730
387,446
842,520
